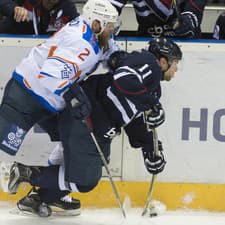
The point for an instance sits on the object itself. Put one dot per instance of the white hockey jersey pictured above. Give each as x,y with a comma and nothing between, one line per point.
51,67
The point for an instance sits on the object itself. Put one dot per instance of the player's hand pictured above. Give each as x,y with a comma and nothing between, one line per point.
20,14
154,164
156,117
78,102
187,25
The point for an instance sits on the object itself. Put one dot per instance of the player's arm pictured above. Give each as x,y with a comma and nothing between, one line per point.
69,11
190,18
196,7
130,84
119,4
140,137
7,7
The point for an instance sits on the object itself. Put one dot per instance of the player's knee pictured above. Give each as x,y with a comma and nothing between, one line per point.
86,188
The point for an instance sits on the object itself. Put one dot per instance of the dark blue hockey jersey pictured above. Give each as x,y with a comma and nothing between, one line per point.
119,99
132,89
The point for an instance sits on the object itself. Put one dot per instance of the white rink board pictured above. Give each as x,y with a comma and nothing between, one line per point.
197,87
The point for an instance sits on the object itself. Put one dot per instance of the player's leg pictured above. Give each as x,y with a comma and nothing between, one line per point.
67,202
33,204
19,111
52,188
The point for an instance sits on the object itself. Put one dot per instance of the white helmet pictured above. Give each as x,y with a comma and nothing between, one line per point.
101,10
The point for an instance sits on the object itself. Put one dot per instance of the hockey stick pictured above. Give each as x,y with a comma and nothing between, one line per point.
176,7
149,196
156,151
177,22
108,173
85,121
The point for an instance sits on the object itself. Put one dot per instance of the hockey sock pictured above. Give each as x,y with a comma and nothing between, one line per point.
51,195
48,178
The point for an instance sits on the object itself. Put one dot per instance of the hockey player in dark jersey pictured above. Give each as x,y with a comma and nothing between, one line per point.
219,29
118,100
166,17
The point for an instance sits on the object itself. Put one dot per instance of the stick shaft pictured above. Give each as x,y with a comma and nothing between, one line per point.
149,196
109,174
178,20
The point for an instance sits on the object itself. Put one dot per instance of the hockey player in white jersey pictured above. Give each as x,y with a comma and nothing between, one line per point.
45,83
118,100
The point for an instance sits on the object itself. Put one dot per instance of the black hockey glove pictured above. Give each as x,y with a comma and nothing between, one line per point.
77,102
154,164
187,25
156,117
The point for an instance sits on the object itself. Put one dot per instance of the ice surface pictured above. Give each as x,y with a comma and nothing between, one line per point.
114,217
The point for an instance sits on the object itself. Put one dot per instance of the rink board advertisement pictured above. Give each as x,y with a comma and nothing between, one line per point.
193,135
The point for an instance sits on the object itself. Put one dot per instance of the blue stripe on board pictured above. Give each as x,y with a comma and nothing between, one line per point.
117,38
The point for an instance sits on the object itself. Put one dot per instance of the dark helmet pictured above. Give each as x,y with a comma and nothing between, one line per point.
164,47
116,59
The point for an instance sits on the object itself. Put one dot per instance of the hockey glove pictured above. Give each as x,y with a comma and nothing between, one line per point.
156,117
77,102
154,164
187,25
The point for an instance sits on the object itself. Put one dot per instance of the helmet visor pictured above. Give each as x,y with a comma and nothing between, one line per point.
113,27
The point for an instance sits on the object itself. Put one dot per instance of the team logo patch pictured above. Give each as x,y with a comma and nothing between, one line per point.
110,133
67,71
14,138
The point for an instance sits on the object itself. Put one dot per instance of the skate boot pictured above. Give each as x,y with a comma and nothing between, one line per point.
66,206
20,173
31,203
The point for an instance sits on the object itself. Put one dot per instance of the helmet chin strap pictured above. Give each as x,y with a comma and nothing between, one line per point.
97,34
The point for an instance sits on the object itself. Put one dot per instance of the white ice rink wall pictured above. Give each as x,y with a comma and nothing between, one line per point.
193,135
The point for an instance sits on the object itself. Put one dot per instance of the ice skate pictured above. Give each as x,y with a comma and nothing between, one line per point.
18,173
32,204
66,206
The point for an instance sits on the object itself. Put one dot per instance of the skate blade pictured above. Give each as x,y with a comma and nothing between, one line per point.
55,213
60,212
16,211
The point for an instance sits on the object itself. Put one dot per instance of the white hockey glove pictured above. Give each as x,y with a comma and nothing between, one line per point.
156,117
